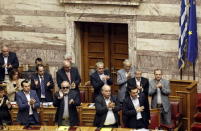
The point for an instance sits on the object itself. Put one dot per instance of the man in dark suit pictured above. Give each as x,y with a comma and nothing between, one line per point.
136,113
107,107
8,61
70,74
99,78
43,83
140,82
28,102
66,101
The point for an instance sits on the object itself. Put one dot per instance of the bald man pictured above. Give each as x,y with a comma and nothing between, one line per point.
8,61
68,73
107,108
66,101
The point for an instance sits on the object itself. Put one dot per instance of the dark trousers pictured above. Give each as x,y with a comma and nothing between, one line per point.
31,121
141,124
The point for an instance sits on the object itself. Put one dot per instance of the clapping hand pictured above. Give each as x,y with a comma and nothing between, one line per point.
32,101
140,109
71,101
48,84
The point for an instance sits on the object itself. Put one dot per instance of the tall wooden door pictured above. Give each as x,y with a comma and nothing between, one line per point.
103,42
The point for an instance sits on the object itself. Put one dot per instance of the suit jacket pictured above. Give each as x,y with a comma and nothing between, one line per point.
23,111
130,114
48,89
122,82
11,89
97,83
144,83
75,76
12,59
165,91
59,103
4,112
101,110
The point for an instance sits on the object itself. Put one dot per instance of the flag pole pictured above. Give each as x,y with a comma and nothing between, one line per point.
181,72
194,71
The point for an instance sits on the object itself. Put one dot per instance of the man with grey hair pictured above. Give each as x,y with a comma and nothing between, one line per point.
99,78
8,62
70,74
69,57
159,90
123,75
107,108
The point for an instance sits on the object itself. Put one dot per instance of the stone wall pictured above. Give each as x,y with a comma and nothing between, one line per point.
34,28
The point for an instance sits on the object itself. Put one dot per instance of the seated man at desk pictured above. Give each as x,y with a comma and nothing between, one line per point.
66,101
107,108
28,103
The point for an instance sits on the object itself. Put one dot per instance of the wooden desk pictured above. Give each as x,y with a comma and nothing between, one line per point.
46,115
187,90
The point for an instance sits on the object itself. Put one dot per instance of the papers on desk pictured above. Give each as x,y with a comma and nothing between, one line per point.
91,105
106,129
46,104
63,128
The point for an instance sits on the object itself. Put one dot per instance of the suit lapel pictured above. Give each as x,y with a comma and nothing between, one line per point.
23,95
97,75
65,75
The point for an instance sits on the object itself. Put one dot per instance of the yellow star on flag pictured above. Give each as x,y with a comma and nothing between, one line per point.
190,32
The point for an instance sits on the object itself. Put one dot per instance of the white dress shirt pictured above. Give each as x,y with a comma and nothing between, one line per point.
136,104
66,112
28,99
101,77
6,62
110,118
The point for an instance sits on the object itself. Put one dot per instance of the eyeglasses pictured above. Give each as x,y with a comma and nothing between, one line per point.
65,87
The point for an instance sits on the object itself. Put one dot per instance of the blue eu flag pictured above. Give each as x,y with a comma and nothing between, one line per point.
192,34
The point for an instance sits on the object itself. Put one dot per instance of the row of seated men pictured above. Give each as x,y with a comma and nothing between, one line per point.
127,78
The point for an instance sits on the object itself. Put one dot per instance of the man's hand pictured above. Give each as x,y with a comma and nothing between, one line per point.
4,66
36,82
128,75
32,101
159,85
71,101
111,105
9,66
140,109
48,84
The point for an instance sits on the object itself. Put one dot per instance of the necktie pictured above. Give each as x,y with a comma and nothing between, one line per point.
42,85
69,77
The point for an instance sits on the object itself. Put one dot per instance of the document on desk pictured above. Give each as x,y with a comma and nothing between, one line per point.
143,129
63,128
106,129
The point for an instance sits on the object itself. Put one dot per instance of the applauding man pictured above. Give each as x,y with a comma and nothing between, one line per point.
107,107
159,90
136,113
28,102
99,78
66,101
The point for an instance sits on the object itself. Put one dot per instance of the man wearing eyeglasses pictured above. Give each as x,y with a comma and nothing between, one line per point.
66,100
